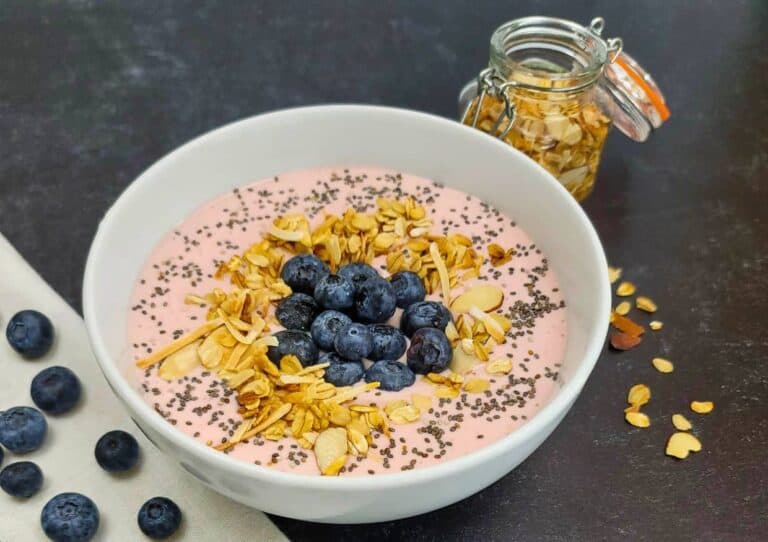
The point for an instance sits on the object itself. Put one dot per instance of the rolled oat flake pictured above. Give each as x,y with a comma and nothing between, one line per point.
553,88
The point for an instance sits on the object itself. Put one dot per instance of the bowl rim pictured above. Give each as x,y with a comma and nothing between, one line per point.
546,416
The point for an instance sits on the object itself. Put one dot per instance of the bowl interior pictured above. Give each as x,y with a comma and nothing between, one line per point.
288,140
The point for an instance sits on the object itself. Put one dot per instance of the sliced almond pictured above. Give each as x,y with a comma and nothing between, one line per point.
645,304
663,365
625,289
405,414
499,366
476,385
614,273
656,325
491,326
681,444
622,308
422,402
702,407
462,362
485,297
181,362
638,419
442,271
331,450
638,395
446,392
181,342
681,423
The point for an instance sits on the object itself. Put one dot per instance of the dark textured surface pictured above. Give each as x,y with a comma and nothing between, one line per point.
91,93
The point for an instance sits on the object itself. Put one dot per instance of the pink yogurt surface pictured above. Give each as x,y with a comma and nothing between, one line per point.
200,404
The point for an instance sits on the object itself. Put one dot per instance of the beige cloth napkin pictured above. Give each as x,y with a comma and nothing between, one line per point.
66,458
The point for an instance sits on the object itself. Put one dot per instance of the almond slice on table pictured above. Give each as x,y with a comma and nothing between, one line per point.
681,423
663,365
331,450
638,419
681,444
702,407
485,297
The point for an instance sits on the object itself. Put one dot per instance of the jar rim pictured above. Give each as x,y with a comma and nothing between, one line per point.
587,50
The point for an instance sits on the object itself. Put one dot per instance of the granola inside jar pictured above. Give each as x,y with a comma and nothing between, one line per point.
552,91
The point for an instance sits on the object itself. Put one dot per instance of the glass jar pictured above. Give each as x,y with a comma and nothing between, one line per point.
553,88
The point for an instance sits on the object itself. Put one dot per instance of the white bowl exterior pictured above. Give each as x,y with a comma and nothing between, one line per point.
288,140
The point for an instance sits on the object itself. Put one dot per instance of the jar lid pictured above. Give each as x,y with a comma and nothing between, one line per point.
634,102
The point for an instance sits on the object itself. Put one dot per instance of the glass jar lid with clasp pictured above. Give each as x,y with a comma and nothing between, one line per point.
553,88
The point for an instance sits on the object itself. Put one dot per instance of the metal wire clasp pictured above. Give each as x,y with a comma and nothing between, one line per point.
491,83
614,45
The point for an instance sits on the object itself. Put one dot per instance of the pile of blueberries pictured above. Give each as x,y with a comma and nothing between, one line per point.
344,316
70,517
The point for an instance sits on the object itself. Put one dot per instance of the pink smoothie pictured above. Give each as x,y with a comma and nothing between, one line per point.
200,405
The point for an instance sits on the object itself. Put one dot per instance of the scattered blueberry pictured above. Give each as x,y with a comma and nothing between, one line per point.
301,273
326,326
22,429
117,451
70,517
408,288
424,314
30,333
335,292
375,301
297,311
353,341
392,375
2,454
430,351
298,343
358,273
344,374
159,518
22,479
388,342
55,390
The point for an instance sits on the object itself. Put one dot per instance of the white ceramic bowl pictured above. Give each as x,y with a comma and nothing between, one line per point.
293,139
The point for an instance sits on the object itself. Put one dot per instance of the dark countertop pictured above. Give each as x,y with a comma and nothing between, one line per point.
91,93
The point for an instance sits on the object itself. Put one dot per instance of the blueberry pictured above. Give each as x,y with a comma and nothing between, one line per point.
30,333
375,301
391,375
295,342
22,479
408,288
332,358
353,341
159,518
335,292
22,429
345,373
326,326
430,351
297,311
55,390
358,273
2,454
70,517
388,342
424,314
117,451
301,273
